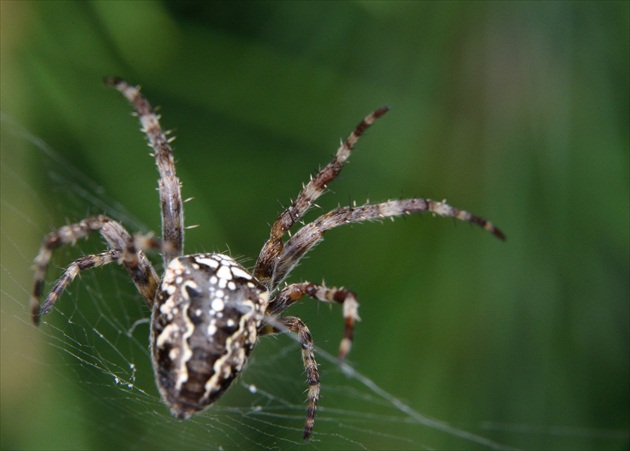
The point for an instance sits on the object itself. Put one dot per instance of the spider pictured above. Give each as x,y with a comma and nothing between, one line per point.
207,311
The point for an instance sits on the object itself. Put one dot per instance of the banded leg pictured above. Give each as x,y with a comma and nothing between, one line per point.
313,190
310,364
129,254
169,185
80,264
311,234
293,293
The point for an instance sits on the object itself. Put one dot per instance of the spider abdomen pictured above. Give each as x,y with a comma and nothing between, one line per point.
205,320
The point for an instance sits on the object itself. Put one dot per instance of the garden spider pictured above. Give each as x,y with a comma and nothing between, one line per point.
207,310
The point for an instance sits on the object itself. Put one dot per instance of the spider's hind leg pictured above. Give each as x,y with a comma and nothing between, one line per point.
294,292
296,325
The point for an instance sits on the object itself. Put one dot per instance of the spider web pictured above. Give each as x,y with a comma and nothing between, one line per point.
89,361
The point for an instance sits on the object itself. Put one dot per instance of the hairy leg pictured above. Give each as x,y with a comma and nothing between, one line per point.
169,185
313,189
123,247
308,357
80,264
293,293
311,234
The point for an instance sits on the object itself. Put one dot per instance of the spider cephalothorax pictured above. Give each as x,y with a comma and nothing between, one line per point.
207,310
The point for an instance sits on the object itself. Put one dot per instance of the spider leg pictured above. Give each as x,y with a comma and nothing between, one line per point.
87,262
313,190
293,293
311,234
169,185
308,357
124,249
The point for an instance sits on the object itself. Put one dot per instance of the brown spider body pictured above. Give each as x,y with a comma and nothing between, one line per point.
207,310
204,324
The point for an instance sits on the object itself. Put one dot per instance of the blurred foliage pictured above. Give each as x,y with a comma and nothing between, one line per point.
517,111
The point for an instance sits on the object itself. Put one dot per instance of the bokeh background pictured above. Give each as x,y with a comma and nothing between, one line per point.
518,112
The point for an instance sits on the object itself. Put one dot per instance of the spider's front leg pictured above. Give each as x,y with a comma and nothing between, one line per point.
169,186
312,233
265,266
293,293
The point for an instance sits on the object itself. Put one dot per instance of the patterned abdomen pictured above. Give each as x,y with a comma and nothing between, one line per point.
205,320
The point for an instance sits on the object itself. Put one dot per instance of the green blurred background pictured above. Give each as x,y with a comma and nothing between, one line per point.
518,112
